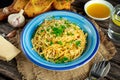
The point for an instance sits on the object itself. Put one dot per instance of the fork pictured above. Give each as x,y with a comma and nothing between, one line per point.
99,69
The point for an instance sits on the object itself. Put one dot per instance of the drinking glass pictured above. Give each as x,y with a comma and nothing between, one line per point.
114,25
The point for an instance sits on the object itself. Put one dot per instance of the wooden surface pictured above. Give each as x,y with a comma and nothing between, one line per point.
114,73
8,70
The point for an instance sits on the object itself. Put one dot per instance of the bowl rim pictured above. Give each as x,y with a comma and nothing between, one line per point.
68,67
108,4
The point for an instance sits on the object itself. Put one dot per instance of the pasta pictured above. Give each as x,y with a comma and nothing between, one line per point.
59,40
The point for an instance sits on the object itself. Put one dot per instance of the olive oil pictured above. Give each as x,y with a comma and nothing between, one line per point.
116,19
98,10
114,25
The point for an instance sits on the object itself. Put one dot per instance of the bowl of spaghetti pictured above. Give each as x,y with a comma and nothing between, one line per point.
60,40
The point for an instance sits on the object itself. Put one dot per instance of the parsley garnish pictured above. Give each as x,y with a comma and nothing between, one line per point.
42,30
58,31
77,43
51,43
61,60
60,42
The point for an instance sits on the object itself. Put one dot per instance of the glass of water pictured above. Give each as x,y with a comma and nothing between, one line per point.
114,25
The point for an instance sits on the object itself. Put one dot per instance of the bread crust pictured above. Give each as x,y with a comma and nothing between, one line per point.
33,8
62,4
36,7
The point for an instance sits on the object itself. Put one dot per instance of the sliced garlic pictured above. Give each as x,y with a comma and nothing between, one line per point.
16,19
11,34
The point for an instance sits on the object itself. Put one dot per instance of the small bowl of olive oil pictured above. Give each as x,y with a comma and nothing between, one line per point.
98,9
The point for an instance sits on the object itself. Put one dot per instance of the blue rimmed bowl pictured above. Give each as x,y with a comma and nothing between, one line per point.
92,46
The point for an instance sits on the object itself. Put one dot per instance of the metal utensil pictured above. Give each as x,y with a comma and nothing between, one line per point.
106,70
99,69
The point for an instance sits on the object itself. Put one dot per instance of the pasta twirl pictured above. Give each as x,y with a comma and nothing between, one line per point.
59,40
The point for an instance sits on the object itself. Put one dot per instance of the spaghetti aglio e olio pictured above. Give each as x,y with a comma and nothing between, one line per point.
59,40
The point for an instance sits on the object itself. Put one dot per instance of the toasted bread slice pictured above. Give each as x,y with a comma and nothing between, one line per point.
62,4
36,7
20,4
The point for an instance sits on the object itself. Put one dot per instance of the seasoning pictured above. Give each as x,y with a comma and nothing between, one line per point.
17,19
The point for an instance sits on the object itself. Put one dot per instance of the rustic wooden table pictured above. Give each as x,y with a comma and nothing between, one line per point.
8,70
114,73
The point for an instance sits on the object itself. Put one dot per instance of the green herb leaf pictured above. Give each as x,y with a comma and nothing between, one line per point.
60,42
57,61
42,30
71,41
51,43
56,24
48,29
42,55
70,34
62,27
57,31
64,59
77,43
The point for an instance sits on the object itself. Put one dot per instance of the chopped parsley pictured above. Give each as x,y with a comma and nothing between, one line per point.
77,43
58,31
60,42
42,30
48,29
62,60
51,43
70,34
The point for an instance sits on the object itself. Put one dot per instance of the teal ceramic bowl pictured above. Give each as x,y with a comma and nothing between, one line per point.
93,40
